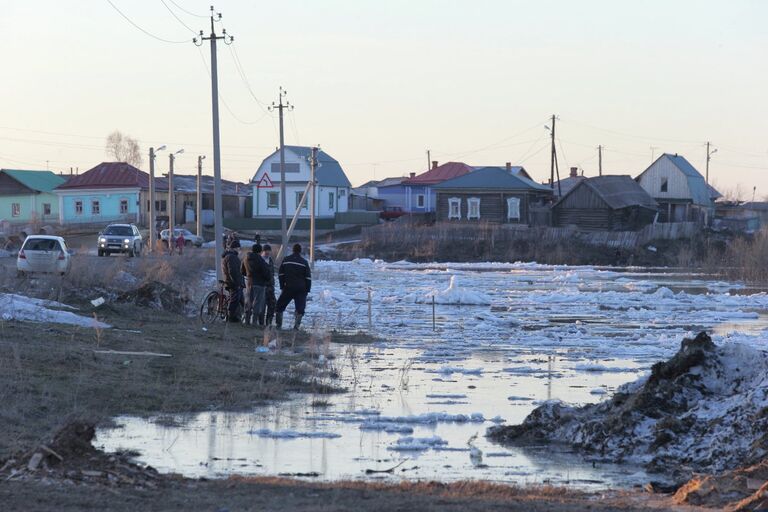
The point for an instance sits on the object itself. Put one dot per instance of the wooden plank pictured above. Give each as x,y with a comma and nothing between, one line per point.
129,353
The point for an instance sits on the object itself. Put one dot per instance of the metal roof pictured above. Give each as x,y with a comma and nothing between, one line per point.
517,170
491,178
39,181
328,173
566,184
187,183
617,191
439,174
109,175
700,193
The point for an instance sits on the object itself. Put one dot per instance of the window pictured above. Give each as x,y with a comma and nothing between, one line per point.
273,200
16,209
95,207
289,167
123,206
161,205
298,200
78,207
420,201
513,208
46,208
664,184
473,208
342,193
331,204
454,208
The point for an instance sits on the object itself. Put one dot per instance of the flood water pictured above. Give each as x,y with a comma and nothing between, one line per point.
416,399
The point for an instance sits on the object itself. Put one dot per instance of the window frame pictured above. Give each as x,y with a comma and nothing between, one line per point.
124,202
299,194
471,203
47,209
331,201
454,201
421,200
276,205
664,185
517,202
79,207
15,209
95,207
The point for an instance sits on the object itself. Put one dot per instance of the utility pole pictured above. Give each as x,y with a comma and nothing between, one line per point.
283,210
553,160
217,201
312,168
653,152
199,198
600,159
429,159
709,157
152,216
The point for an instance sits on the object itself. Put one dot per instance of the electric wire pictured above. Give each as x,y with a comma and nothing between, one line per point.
177,18
188,12
150,34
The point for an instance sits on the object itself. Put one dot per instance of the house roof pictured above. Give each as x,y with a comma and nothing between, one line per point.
713,192
617,191
700,193
328,173
187,183
491,178
517,170
439,174
39,181
109,175
566,184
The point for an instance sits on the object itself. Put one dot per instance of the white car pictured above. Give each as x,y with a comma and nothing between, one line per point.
43,254
190,238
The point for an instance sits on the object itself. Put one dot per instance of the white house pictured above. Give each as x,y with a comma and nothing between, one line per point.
332,192
678,188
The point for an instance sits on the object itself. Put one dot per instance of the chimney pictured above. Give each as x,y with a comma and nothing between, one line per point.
434,164
509,166
574,172
413,175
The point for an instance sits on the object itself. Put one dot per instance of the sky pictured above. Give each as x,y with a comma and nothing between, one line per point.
376,84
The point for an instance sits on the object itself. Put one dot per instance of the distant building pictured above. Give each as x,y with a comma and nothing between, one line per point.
28,196
679,189
565,185
333,187
492,194
378,194
605,203
235,197
419,190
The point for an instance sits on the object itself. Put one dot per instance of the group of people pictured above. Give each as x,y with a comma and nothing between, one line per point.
255,273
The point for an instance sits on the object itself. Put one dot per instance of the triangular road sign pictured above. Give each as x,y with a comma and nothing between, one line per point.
265,182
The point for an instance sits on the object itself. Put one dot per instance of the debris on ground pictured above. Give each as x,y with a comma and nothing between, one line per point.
703,410
30,309
156,295
741,489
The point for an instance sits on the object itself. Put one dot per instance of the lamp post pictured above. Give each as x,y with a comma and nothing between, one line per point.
152,222
199,198
171,200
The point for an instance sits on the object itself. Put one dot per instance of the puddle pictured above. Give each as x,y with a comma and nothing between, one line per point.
568,333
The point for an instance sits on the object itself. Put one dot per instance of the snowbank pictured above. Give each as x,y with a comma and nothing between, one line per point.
705,409
456,296
28,309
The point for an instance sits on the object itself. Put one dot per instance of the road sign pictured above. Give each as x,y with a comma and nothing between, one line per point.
265,182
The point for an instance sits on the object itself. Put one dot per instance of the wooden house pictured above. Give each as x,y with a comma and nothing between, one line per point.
680,190
491,194
605,203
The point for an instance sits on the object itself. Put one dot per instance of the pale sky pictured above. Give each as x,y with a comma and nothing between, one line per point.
377,83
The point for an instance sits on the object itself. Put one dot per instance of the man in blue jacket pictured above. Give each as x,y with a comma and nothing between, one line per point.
295,279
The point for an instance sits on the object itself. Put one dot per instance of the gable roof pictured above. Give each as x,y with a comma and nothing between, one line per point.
491,178
109,175
39,181
439,174
187,184
617,192
700,193
328,173
517,170
567,184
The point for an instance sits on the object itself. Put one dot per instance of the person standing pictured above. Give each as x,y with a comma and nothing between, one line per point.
256,273
295,284
270,300
180,241
233,280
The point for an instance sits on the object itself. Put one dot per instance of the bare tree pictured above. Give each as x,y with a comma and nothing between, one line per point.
124,148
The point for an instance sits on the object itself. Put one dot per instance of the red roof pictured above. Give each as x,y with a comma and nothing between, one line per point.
439,174
110,175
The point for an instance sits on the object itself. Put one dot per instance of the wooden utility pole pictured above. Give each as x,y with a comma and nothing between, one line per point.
429,159
709,157
553,160
600,159
312,170
152,219
283,206
199,198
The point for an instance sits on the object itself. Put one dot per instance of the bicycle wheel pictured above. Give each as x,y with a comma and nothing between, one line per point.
209,310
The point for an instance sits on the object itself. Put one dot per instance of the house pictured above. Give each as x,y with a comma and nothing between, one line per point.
234,198
28,196
332,190
109,192
492,194
565,185
678,188
375,195
420,195
605,203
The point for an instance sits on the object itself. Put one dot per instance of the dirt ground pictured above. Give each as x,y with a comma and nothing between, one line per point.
54,377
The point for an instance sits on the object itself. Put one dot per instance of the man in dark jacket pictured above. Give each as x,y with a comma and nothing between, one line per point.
271,301
257,277
295,283
233,280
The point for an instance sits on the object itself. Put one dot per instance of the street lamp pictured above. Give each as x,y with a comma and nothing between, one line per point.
171,199
152,222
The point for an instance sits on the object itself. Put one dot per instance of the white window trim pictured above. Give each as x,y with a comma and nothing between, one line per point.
451,202
82,206
510,201
15,209
95,205
277,206
127,206
421,200
473,201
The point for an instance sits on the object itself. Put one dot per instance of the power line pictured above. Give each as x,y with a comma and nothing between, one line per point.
177,18
188,12
633,136
150,34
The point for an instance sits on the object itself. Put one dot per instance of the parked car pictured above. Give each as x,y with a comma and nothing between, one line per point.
120,238
43,254
392,213
190,238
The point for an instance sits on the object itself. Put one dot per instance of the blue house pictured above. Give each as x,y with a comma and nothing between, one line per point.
420,195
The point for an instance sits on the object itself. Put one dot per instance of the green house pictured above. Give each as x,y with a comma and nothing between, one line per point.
27,196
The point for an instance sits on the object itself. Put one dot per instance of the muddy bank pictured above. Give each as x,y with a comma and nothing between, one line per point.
704,410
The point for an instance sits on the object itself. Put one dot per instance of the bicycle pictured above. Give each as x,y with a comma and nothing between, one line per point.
215,305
